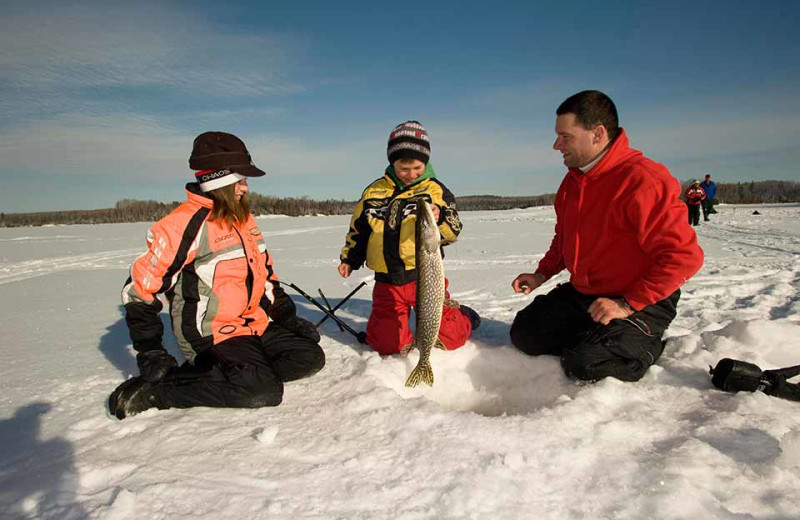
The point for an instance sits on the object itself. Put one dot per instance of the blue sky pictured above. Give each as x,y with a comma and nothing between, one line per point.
101,100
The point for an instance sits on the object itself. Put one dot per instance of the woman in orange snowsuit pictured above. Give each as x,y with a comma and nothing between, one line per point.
237,328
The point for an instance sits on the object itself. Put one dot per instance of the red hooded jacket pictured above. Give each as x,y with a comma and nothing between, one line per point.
694,195
621,229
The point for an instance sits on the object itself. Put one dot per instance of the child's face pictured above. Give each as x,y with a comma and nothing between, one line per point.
408,170
241,189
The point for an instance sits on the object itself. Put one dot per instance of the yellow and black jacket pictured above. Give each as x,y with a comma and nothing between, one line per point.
382,228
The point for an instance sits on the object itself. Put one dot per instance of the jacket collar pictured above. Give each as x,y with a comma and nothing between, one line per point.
194,194
619,151
429,174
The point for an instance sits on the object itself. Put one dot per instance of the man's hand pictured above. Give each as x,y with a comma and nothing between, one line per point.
435,210
526,282
603,310
345,270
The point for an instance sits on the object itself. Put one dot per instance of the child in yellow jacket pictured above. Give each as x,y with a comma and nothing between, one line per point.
382,235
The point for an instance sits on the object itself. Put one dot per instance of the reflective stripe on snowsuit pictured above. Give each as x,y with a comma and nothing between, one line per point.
694,195
218,280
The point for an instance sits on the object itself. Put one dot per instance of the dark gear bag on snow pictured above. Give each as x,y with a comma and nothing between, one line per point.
739,376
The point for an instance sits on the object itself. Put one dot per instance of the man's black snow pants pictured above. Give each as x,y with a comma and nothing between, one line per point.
559,324
242,372
708,207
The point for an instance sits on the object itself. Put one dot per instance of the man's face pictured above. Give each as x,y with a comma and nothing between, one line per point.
577,145
408,170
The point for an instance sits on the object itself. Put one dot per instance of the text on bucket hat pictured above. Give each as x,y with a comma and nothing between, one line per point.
409,140
221,159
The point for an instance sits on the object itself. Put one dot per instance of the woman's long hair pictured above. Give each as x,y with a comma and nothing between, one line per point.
226,208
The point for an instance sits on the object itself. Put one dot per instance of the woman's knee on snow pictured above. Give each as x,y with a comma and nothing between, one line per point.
314,359
257,387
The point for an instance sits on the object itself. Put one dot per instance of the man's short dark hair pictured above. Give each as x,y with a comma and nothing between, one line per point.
592,108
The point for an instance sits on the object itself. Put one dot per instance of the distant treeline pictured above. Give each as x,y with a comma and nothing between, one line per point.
295,207
762,192
128,210
490,202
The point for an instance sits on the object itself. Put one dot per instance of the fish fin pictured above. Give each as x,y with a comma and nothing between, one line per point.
405,349
440,344
422,373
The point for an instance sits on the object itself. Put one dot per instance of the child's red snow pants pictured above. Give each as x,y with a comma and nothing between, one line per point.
387,329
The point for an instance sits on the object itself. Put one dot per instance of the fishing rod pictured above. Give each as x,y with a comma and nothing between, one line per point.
360,336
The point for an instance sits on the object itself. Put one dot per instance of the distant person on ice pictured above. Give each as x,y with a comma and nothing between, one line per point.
695,195
236,326
382,235
710,187
622,234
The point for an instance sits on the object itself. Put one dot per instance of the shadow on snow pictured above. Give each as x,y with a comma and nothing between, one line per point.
37,477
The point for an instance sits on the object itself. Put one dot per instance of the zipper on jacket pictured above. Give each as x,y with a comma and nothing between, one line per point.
581,185
250,277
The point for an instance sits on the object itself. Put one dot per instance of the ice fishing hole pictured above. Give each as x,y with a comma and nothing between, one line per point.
490,381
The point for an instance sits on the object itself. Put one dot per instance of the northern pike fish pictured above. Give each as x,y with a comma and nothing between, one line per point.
430,292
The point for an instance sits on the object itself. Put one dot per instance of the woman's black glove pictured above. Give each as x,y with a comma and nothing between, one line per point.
284,313
154,364
297,325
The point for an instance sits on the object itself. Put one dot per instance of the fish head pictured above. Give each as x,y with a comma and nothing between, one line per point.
428,237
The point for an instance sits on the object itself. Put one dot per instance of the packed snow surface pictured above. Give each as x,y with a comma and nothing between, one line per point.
500,435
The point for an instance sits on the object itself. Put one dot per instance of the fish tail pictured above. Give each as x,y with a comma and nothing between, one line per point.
422,373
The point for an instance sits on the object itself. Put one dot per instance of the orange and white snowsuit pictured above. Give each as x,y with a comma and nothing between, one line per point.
218,279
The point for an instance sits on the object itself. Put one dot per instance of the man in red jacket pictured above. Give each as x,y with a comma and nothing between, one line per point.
622,233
